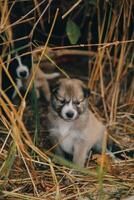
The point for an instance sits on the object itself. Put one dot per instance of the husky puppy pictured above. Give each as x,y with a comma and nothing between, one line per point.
74,129
40,80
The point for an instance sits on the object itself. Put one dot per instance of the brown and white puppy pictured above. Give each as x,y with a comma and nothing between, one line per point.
40,83
73,127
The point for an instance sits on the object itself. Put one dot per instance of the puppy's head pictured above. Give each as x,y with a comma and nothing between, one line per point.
22,68
69,98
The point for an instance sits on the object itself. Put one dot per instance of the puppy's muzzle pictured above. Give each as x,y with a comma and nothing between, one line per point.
22,72
70,115
68,112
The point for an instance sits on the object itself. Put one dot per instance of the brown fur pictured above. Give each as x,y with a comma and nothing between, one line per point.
41,82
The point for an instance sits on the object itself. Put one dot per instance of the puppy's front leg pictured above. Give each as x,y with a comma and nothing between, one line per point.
81,149
42,84
46,90
58,150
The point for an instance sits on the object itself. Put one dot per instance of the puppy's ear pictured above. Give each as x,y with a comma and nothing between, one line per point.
86,92
55,88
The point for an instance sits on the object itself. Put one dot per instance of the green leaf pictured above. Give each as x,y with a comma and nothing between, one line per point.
8,163
93,2
73,32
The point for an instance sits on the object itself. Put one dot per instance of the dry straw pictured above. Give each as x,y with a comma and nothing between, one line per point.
43,176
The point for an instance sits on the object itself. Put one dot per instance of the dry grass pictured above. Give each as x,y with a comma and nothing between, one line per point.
29,172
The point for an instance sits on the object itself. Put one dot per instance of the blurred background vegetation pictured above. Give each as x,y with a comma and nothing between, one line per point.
92,40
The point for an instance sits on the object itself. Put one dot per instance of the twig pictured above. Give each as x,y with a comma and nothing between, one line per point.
71,9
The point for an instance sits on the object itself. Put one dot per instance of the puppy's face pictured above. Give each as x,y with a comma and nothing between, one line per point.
69,99
22,70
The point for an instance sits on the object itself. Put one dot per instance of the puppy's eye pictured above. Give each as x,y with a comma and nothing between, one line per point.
77,103
62,101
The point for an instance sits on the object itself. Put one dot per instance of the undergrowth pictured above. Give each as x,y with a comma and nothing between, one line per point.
28,171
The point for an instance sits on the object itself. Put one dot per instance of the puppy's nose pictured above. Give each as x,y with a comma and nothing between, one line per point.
23,74
70,115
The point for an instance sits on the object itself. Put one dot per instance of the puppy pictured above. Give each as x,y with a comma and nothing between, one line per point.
73,127
40,80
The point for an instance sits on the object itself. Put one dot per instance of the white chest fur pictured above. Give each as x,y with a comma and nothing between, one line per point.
65,134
